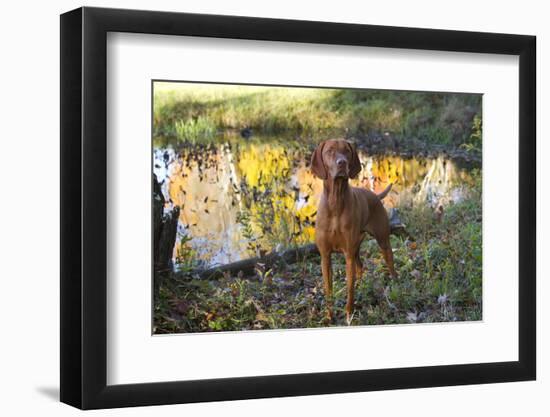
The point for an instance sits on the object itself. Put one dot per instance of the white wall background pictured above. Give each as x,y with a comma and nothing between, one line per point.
29,219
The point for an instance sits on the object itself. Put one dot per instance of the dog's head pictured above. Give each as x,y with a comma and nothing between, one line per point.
335,158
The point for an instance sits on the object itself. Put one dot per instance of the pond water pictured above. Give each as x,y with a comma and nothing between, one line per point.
240,200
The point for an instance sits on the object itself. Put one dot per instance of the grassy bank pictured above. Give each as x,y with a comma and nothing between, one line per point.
190,113
439,279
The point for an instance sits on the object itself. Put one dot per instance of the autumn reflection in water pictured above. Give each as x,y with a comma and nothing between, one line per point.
243,200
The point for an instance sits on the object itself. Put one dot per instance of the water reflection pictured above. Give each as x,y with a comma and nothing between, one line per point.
244,199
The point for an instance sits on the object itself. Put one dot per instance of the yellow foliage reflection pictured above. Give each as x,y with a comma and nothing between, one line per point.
244,200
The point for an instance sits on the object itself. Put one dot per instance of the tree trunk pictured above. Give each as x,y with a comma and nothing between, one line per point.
165,227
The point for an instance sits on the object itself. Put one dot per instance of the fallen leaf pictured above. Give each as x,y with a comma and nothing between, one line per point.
182,307
261,317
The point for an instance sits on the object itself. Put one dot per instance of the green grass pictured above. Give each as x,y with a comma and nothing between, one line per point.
189,112
439,280
193,130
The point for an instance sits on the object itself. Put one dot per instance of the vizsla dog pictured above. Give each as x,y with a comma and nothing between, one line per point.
345,215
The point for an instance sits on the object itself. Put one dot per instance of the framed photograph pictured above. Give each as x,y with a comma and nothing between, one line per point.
257,208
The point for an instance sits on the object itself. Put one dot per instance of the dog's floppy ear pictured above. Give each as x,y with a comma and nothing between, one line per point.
355,163
317,165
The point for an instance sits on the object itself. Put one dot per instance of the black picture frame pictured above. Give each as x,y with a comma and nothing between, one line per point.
84,207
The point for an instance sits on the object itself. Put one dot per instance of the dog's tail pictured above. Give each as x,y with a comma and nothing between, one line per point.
385,192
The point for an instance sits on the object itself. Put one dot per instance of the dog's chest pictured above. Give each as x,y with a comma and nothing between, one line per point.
336,226
338,232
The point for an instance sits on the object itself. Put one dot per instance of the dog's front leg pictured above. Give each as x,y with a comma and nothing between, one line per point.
351,266
326,268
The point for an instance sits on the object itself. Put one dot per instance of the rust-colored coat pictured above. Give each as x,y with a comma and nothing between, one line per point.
345,215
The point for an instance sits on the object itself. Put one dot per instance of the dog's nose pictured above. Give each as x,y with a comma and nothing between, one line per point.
341,162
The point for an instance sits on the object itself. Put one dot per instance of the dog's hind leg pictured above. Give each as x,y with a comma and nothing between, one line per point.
385,247
358,266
